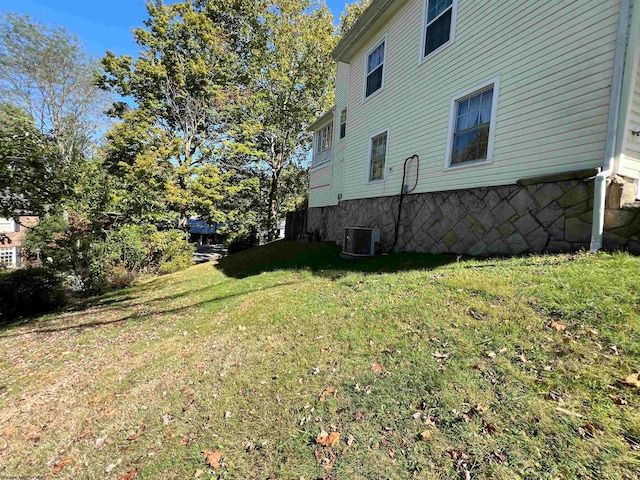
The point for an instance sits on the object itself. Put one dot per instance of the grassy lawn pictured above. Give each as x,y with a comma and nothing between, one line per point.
430,368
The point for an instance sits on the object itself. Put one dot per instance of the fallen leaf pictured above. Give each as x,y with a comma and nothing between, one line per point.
130,475
326,392
522,358
350,440
632,380
555,396
441,356
488,428
376,368
135,436
167,418
61,464
99,443
212,458
112,466
359,416
7,432
426,435
618,400
328,439
558,326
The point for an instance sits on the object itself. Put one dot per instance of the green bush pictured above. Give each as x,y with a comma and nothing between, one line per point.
29,292
242,240
138,249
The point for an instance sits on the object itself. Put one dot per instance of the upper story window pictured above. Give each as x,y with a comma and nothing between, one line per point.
375,69
324,138
440,24
7,225
343,123
378,156
473,126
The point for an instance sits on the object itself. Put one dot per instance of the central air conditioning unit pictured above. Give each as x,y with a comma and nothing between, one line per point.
360,242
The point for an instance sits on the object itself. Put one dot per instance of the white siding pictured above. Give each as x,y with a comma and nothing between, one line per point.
554,60
631,161
319,185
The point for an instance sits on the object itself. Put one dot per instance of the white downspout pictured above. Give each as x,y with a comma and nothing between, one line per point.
600,187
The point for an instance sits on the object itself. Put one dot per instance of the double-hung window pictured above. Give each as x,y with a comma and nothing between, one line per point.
473,126
378,156
343,123
324,139
375,69
440,24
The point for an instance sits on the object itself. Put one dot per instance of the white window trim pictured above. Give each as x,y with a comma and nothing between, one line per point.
12,226
386,156
423,38
14,257
492,126
340,139
384,69
316,139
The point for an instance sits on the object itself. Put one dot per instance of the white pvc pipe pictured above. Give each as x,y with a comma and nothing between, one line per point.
600,187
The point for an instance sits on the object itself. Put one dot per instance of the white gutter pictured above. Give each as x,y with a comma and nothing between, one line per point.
600,187
366,20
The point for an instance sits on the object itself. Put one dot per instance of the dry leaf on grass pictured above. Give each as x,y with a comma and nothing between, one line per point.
130,475
328,439
212,458
558,326
61,464
327,392
632,380
135,436
376,368
426,435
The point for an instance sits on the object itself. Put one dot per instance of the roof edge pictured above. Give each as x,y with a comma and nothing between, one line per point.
369,17
322,118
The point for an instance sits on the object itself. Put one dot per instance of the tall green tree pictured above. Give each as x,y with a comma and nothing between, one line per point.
33,175
292,77
351,14
181,82
47,72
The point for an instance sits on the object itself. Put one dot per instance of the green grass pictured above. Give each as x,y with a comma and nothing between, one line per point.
240,351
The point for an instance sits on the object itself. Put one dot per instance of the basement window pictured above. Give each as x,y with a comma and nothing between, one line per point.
375,70
440,20
472,126
378,156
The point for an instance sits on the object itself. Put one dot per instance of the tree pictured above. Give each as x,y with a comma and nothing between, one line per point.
33,175
49,74
292,77
351,14
180,83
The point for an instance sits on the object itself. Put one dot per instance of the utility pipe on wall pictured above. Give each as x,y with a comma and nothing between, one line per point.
600,187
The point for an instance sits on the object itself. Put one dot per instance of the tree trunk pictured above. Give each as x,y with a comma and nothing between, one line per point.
274,205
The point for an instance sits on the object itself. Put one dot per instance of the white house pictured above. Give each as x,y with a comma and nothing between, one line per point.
511,123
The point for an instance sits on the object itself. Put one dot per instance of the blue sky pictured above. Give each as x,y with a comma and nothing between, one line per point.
101,24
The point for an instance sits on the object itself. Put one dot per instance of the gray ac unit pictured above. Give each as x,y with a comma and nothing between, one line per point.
360,242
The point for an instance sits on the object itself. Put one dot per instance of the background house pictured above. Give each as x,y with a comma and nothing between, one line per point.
11,236
507,112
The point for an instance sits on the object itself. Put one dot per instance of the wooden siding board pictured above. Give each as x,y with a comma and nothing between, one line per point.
561,51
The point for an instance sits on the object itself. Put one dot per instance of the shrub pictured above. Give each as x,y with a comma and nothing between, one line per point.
242,240
29,292
138,249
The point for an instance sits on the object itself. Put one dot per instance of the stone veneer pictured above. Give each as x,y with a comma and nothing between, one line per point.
547,214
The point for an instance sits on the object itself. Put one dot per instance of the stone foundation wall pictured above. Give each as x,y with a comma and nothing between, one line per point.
550,214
